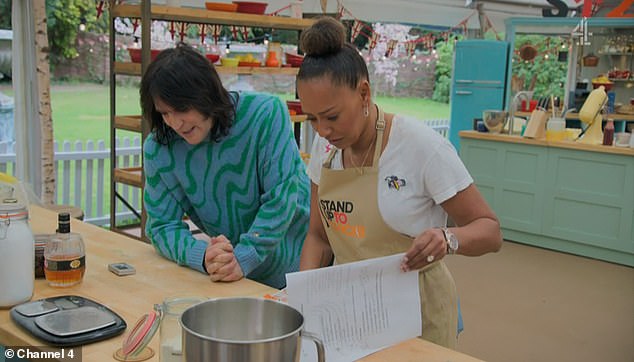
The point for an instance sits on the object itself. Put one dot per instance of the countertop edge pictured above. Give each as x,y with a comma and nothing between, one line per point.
626,151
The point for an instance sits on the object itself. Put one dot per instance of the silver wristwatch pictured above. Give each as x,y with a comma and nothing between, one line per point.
452,241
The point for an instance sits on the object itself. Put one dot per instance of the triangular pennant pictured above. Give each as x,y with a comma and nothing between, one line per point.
135,25
182,26
172,30
391,45
215,32
99,9
374,38
356,29
201,32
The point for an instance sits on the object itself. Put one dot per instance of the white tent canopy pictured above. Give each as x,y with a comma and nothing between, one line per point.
445,13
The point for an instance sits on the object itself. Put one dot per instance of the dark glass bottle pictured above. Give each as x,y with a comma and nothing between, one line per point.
608,133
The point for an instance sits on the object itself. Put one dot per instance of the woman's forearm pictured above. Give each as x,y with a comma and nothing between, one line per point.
316,253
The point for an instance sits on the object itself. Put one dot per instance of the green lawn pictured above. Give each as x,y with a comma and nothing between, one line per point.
81,112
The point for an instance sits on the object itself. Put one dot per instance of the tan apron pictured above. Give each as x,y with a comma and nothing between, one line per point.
349,211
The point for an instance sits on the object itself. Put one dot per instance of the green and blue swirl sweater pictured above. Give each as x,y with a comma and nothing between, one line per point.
250,186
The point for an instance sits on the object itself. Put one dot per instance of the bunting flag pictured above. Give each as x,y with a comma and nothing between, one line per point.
215,32
172,30
410,48
234,31
356,29
391,44
99,8
374,38
201,33
135,25
340,10
245,33
182,29
428,40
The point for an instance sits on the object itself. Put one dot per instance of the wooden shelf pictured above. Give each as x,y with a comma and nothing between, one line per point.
130,176
127,68
130,123
201,15
257,70
614,116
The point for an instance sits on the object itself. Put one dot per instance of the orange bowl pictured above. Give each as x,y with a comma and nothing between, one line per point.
295,106
251,7
294,60
243,63
221,7
212,57
135,54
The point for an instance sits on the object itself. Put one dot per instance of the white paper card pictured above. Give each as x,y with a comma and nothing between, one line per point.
356,308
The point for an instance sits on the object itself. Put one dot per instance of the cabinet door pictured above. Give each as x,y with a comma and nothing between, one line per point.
468,103
480,62
510,177
590,199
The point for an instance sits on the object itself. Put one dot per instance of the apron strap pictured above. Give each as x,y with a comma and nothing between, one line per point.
380,127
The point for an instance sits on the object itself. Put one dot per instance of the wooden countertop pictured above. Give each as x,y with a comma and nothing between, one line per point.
572,115
498,137
157,278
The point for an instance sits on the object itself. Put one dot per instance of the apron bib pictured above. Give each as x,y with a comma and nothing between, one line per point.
356,230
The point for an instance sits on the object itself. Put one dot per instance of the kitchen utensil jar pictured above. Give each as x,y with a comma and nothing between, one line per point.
243,330
17,250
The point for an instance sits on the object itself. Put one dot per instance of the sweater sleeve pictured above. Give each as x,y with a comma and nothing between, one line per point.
168,233
280,170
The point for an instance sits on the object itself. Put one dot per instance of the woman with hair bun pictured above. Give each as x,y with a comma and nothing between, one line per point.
384,183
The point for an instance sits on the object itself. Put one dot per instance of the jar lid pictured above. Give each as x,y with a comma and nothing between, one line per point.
141,335
10,208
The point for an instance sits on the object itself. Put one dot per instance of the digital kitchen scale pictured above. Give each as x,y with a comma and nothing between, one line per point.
68,320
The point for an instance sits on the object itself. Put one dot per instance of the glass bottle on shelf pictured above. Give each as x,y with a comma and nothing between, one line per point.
64,256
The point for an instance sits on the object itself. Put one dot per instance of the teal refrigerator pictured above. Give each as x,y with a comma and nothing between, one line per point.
478,83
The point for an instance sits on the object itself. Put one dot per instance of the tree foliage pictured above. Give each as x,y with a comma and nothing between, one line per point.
63,18
444,70
549,72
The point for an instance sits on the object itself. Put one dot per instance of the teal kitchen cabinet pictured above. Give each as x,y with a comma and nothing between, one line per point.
558,195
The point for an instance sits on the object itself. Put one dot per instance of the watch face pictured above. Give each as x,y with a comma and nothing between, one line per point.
452,241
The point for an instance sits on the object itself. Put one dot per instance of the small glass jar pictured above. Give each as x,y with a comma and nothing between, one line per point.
170,332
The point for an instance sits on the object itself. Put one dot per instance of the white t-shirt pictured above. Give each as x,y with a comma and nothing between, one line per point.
424,165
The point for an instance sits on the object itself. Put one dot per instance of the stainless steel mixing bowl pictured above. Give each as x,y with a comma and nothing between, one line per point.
494,120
